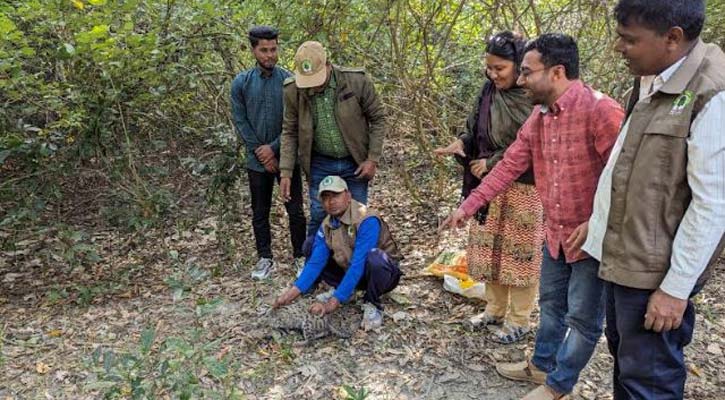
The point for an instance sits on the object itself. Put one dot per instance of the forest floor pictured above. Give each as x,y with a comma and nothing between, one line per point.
166,314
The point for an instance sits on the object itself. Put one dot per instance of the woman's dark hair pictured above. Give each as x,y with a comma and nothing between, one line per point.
261,32
661,15
557,49
507,45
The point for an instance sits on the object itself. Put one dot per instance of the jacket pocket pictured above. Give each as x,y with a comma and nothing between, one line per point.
665,154
674,129
348,106
346,96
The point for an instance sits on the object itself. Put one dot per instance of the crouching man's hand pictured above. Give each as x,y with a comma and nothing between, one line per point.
325,308
287,297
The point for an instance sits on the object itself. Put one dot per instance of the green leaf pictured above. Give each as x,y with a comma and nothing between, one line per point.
27,51
147,339
4,155
6,26
205,308
100,31
216,368
108,361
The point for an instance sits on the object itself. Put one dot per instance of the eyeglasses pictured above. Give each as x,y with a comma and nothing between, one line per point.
525,72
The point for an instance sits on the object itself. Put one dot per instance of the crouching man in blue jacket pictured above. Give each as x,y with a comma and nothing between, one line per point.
353,249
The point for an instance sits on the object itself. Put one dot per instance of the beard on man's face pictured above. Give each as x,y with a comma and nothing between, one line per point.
536,97
268,64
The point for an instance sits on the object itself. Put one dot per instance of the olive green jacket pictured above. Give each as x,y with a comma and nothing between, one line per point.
358,112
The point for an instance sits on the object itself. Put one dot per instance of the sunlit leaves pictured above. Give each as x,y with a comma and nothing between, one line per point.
8,29
96,33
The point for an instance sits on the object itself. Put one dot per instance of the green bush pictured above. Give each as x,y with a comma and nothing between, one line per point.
182,367
112,85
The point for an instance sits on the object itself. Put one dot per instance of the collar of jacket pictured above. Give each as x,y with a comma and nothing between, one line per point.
682,77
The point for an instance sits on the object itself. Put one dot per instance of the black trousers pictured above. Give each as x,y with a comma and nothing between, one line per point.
261,186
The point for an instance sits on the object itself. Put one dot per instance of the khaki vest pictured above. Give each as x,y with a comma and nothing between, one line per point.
650,193
341,240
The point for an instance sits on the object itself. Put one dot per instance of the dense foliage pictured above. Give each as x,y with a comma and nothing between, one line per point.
97,87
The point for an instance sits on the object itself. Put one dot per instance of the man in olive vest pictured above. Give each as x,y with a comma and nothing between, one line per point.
353,248
334,124
659,212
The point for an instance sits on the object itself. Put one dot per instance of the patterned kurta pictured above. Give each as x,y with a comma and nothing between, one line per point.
507,249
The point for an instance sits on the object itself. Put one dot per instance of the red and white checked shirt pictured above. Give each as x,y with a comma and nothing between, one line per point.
568,145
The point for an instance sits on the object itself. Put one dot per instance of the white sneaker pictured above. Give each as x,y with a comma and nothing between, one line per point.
263,269
323,297
372,317
299,264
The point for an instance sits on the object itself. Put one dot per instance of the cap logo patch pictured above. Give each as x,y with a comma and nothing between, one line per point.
306,66
327,181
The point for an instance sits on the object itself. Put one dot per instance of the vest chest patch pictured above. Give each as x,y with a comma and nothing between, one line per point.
681,102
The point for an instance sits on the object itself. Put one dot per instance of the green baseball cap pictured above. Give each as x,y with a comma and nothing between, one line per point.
331,183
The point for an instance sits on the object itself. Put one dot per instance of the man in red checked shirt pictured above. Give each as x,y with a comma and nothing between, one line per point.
567,140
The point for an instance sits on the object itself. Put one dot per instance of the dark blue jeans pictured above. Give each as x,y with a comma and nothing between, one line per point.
382,275
572,315
320,167
647,365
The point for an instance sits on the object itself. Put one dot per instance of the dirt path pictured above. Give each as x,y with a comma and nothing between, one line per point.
163,314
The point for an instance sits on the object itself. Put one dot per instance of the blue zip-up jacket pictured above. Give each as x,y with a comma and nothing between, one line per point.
366,239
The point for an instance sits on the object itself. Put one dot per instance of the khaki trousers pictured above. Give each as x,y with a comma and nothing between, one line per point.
519,301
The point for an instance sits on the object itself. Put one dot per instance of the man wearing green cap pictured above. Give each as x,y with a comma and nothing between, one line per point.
333,124
353,248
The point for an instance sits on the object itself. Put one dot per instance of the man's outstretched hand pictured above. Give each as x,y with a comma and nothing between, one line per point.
457,219
325,308
287,297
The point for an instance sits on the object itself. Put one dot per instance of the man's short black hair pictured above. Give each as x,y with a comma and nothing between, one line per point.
661,15
557,49
262,32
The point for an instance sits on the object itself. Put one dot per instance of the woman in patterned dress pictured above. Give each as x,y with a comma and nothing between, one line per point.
505,240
